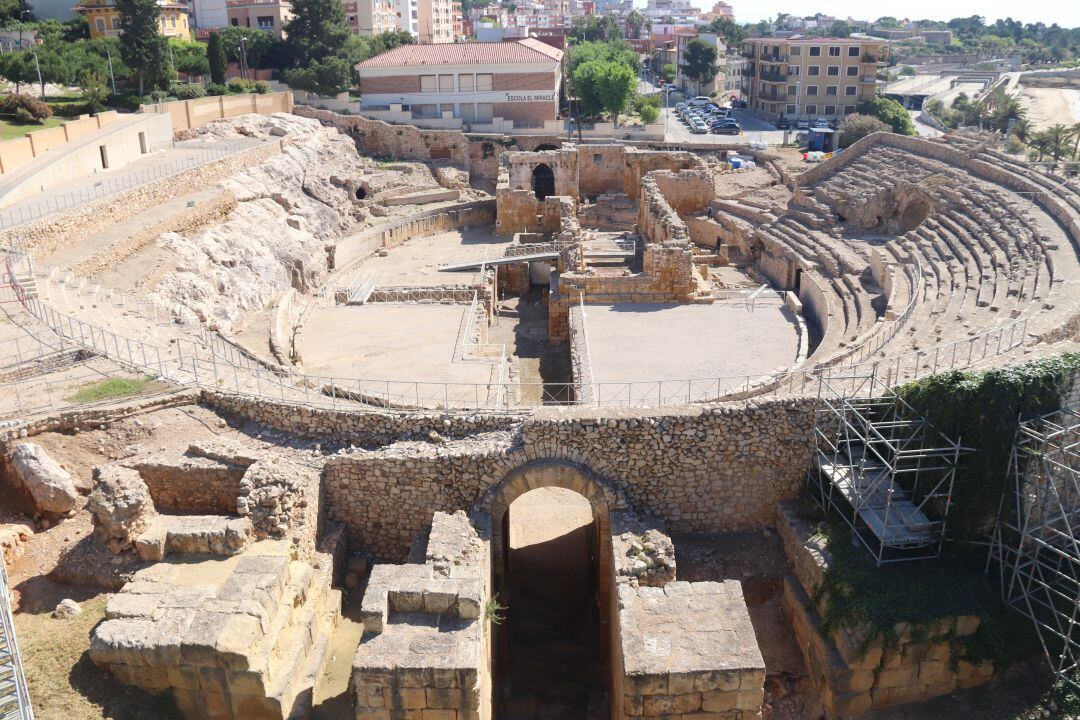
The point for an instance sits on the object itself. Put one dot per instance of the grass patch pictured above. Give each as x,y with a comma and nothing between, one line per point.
875,599
65,683
111,388
9,129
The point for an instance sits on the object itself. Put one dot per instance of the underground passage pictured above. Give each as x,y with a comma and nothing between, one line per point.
550,660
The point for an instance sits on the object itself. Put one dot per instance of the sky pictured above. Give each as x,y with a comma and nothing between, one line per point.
1064,12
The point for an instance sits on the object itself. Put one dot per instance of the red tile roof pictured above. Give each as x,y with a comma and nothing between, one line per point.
528,50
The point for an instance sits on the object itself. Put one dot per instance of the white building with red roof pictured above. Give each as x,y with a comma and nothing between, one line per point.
465,84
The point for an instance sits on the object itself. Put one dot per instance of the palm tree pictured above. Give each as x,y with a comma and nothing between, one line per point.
1052,141
1057,136
1022,130
1075,130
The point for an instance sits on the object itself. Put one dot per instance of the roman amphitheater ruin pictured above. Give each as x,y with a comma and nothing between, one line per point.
430,425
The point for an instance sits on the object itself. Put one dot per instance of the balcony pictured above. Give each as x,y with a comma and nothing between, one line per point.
772,76
774,58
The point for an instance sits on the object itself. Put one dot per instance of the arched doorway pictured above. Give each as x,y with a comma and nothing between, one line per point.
543,181
552,568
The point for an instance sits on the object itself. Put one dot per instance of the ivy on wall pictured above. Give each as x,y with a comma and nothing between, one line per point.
982,410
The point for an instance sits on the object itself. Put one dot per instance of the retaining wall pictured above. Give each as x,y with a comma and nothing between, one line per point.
188,114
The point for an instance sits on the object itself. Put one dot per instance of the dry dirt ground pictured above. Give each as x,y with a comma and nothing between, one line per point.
1051,106
64,683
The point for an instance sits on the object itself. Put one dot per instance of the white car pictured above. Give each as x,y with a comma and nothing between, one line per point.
699,100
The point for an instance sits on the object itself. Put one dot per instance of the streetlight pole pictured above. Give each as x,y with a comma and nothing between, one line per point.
40,81
21,14
111,76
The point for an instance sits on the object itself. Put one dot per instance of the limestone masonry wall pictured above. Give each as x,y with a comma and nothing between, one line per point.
703,469
852,674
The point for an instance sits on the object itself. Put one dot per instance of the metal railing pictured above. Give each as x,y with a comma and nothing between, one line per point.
210,365
14,696
28,211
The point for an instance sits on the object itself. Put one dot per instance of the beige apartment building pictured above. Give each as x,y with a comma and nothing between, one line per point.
810,77
268,15
436,21
371,17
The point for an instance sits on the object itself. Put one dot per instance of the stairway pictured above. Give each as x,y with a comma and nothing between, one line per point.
14,697
871,489
881,468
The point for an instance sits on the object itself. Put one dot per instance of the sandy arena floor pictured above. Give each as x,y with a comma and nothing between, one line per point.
641,343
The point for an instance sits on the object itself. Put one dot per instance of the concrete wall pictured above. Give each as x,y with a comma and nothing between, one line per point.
59,157
188,114
18,152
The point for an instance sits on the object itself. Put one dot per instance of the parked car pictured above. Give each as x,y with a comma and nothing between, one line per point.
821,123
727,129
698,126
783,124
802,124
700,100
680,106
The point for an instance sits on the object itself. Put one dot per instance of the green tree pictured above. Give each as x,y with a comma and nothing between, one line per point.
389,40
727,28
595,28
855,127
635,22
1053,141
699,62
618,51
604,86
317,31
216,60
889,112
615,87
1075,132
648,114
141,47
669,71
840,30
190,58
329,76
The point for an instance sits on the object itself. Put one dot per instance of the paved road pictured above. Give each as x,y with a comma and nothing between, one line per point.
753,129
921,128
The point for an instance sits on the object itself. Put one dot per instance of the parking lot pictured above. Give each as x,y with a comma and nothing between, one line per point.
753,129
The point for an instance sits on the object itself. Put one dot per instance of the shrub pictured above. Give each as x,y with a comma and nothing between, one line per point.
127,101
36,109
159,96
855,127
239,86
648,114
23,116
217,89
262,87
189,91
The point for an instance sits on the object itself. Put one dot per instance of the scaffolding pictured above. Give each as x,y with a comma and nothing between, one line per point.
1035,546
882,468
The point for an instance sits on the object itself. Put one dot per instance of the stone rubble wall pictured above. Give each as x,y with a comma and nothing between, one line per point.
610,211
191,218
702,469
853,675
400,142
190,484
72,226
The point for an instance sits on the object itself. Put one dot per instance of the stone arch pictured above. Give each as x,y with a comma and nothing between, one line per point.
543,181
602,497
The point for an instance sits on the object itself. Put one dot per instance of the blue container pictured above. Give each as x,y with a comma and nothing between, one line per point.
736,163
